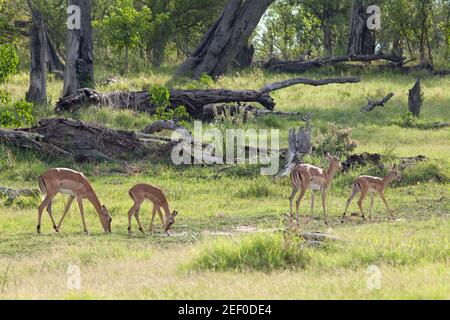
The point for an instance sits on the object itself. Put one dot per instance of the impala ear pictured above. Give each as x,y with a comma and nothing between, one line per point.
175,213
338,155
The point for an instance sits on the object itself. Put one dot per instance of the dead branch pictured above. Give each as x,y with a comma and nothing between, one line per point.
373,104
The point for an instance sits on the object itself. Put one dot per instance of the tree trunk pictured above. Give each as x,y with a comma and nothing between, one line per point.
244,58
303,66
126,60
327,40
79,71
82,142
193,100
415,99
37,93
54,63
225,39
362,40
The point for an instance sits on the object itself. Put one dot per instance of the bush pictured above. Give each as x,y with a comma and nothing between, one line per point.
8,62
261,252
160,97
17,115
336,141
430,171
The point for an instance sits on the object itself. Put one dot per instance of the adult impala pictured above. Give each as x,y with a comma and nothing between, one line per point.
306,176
371,185
141,192
75,185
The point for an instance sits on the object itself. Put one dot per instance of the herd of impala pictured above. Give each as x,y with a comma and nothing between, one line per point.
303,177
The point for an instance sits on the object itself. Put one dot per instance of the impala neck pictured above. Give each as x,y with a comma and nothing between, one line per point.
330,173
388,179
95,202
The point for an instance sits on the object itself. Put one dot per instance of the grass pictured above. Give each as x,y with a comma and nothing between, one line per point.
209,255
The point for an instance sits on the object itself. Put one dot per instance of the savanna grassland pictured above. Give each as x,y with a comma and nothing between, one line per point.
215,251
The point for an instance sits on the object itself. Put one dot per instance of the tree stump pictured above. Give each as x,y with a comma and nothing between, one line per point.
415,99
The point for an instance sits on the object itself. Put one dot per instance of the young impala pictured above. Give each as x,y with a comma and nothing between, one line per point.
141,192
371,185
75,185
305,176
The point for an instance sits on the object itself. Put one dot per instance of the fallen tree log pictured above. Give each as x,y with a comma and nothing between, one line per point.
303,66
373,104
12,194
82,142
193,100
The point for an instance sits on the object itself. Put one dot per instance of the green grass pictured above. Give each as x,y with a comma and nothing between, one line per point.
210,255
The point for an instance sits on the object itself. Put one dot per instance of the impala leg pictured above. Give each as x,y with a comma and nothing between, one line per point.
349,201
161,218
49,210
324,204
153,219
291,202
41,208
311,213
372,195
387,206
69,203
130,216
80,205
360,203
136,216
297,204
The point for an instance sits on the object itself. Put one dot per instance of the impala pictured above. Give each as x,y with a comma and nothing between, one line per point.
371,185
305,176
141,192
75,185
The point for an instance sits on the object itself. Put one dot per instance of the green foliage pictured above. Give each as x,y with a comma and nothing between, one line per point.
258,252
335,141
160,97
18,115
429,171
8,62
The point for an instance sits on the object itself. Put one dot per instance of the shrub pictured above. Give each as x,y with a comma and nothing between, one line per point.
17,115
426,172
8,62
335,141
260,252
160,97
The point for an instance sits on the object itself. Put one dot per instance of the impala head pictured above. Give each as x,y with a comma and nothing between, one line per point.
394,174
334,161
106,220
170,221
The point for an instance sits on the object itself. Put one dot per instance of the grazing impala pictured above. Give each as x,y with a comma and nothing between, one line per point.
141,192
75,185
305,176
368,184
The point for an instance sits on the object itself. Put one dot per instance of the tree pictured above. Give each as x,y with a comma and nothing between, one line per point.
38,55
225,39
329,14
124,27
361,39
79,70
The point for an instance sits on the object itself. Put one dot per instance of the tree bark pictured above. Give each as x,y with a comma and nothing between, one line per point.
303,66
82,142
299,145
373,104
37,93
79,71
361,40
415,99
225,39
193,100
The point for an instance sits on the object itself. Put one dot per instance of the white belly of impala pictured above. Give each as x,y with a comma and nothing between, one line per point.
314,186
67,192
